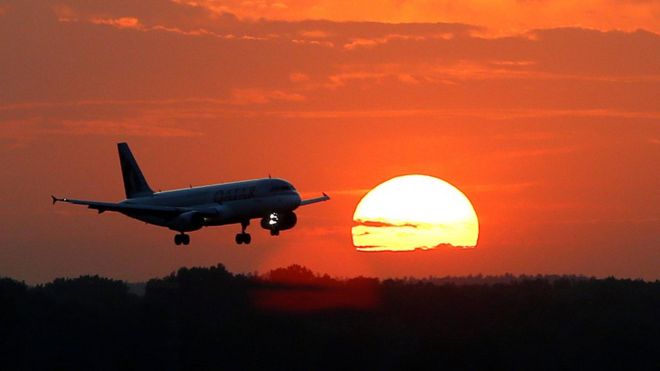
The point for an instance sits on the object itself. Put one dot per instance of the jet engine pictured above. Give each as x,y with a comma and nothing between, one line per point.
187,222
276,222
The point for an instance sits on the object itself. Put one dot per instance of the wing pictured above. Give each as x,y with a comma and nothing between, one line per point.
124,208
325,197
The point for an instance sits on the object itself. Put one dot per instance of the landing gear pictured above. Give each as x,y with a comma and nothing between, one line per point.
274,232
181,239
244,238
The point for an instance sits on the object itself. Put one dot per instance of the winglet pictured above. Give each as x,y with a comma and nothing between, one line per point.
57,199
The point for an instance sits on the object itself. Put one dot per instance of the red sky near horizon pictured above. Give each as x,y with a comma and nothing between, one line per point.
544,113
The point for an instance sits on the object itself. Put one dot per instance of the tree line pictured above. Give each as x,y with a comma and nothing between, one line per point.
292,318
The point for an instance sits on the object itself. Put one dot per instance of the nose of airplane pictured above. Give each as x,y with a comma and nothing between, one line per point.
289,201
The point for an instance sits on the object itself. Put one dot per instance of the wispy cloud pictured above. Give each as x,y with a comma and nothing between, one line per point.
501,187
21,132
600,221
315,34
125,128
495,114
539,151
122,22
466,70
502,17
368,42
241,96
262,96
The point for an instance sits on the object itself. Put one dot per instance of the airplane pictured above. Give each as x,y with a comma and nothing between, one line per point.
271,200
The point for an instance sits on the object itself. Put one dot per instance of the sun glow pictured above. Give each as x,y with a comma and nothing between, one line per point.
414,212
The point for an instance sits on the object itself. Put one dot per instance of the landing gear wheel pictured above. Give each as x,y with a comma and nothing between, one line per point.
181,239
243,238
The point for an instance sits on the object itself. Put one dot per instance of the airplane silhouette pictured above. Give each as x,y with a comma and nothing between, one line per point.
271,200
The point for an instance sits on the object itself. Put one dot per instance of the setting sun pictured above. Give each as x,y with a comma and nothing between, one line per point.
414,212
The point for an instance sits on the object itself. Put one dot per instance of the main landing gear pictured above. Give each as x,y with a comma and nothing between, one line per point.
181,239
244,238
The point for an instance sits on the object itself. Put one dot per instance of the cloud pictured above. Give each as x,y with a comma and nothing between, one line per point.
314,34
506,16
136,128
123,22
381,224
106,62
491,114
381,249
22,132
501,187
229,53
355,43
262,96
370,42
539,151
298,77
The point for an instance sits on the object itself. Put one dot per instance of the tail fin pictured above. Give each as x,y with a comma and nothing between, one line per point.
134,182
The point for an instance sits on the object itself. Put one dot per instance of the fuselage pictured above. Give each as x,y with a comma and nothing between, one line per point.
185,210
224,203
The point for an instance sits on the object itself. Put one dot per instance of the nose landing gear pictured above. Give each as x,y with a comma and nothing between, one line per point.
243,238
181,239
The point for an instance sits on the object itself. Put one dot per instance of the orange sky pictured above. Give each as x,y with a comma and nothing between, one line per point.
544,113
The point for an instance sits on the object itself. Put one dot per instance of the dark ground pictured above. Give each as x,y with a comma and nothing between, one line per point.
208,318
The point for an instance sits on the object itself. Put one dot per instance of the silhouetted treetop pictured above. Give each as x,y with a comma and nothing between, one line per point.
292,318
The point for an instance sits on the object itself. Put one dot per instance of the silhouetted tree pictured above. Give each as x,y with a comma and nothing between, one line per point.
292,318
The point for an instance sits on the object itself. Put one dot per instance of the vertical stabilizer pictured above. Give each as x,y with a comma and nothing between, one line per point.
134,182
